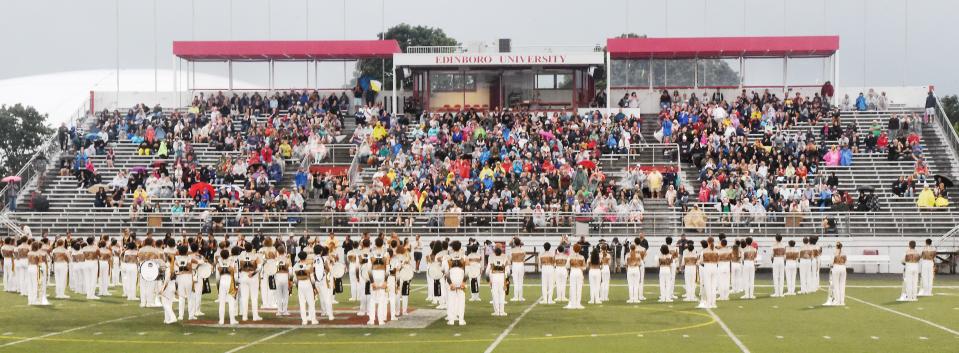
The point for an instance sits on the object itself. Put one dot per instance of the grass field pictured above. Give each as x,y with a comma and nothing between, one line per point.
872,321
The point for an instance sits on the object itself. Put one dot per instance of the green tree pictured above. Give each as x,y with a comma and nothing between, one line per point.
950,105
407,36
22,131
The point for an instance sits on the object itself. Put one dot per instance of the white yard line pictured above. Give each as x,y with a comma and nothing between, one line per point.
70,330
264,339
729,332
509,328
927,322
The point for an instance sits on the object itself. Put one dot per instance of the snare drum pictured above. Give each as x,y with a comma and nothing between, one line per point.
435,270
406,273
150,271
204,271
338,270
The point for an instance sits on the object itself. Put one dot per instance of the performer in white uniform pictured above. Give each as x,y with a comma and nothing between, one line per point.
560,272
634,265
927,269
7,251
792,265
779,267
91,266
305,289
61,268
665,275
546,268
736,266
183,267
128,271
475,258
455,269
690,273
379,261
709,260
282,280
576,265
805,267
910,274
497,268
249,267
518,267
605,259
749,269
837,279
227,285
322,264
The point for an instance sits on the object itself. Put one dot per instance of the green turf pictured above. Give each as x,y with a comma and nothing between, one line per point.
792,324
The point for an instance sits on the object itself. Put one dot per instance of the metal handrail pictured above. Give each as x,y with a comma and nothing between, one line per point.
435,49
354,172
951,137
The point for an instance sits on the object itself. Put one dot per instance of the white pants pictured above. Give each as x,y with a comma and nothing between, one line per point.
20,275
708,275
306,302
689,283
90,278
519,271
129,280
926,269
378,298
8,270
910,282
33,287
722,281
814,270
184,292
779,276
805,282
604,283
498,289
575,289
148,293
632,282
791,268
60,271
837,286
168,292
355,288
561,275
736,270
249,291
548,283
115,274
749,279
282,294
75,277
103,281
595,281
456,306
665,287
266,294
226,300
326,299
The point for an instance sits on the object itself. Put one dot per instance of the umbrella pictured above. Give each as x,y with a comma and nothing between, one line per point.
159,163
198,188
866,188
546,135
138,170
96,188
11,179
588,164
92,136
943,179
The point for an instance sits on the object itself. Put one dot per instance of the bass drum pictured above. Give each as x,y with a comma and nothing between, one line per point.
338,270
435,270
150,270
406,273
365,272
270,267
204,271
473,270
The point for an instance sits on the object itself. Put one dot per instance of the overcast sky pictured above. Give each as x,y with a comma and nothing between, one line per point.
882,42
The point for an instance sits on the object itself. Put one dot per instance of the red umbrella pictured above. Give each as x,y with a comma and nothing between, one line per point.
588,164
198,188
11,179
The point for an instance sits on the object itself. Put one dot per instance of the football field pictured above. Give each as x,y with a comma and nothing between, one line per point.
871,321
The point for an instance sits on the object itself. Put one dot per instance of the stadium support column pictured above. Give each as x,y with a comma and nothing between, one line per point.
393,81
175,69
609,79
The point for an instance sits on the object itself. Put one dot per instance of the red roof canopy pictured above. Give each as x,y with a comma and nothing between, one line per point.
286,50
719,47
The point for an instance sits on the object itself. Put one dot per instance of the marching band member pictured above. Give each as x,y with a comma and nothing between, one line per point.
722,274
352,265
595,277
927,269
518,267
324,287
665,274
44,270
674,256
910,274
148,289
431,289
560,272
576,265
709,260
226,284
438,260
455,269
249,266
605,258
104,269
267,253
115,251
546,269
76,268
634,265
303,270
805,267
837,279
475,259
779,267
33,274
61,268
90,268
183,267
376,307
496,268
196,298
128,270
7,251
690,273
816,262
392,268
282,279
364,286
20,263
168,285
749,269
792,257
736,266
